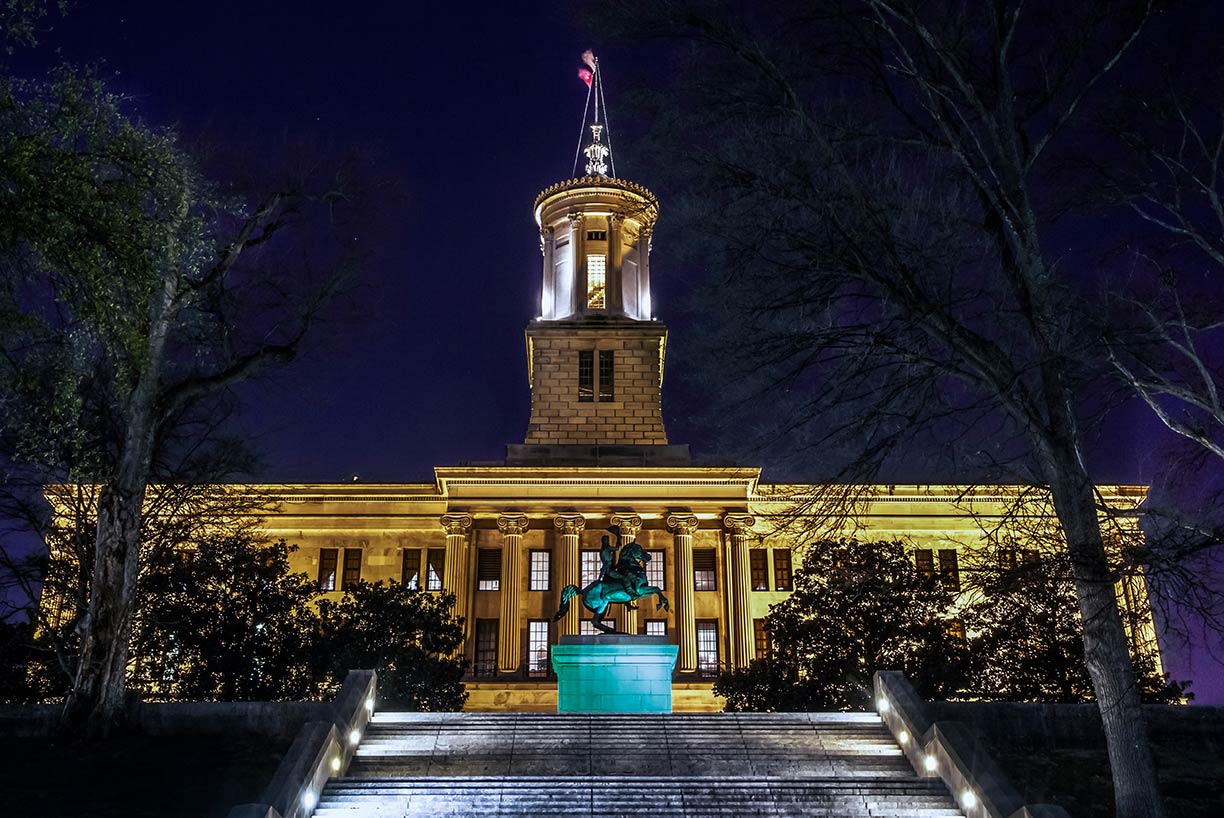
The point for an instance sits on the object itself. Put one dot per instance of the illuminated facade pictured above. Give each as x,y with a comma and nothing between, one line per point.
506,538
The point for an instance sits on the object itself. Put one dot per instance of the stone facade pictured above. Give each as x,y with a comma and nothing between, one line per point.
632,412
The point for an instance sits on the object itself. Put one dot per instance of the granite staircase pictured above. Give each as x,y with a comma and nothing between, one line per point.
840,765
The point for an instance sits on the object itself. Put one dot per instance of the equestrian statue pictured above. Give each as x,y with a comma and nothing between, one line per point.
621,580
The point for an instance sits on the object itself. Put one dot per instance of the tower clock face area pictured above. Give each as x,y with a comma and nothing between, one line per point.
595,241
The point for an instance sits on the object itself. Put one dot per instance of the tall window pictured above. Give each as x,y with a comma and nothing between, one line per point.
597,280
488,569
586,375
434,558
656,627
782,569
410,573
486,647
924,559
655,573
607,368
707,648
587,629
949,569
352,567
760,638
703,570
327,569
590,567
539,572
757,559
537,645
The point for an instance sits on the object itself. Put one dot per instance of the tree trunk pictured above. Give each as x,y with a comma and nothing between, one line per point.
1106,648
97,703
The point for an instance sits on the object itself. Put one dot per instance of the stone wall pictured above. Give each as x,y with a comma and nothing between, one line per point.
633,417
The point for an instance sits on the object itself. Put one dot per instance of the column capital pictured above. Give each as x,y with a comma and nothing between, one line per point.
569,523
629,524
681,523
512,522
738,523
456,524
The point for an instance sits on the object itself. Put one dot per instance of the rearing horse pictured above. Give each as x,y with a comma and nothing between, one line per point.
626,584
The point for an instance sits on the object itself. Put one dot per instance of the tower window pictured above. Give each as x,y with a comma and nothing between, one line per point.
486,648
539,575
488,570
537,647
410,573
707,648
703,570
435,559
924,559
597,280
606,369
352,567
782,569
327,569
655,573
949,570
760,572
586,375
597,235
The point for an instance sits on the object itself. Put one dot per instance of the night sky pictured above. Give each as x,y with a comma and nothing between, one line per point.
471,109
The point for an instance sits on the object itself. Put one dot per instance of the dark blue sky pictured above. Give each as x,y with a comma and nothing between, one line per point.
472,109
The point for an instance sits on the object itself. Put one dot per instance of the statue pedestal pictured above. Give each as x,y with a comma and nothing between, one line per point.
614,673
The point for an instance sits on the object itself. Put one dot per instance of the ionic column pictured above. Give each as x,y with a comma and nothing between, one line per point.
682,527
578,272
739,582
569,527
512,526
454,568
630,525
616,298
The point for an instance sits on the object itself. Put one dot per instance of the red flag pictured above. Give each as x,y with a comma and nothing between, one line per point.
588,57
586,76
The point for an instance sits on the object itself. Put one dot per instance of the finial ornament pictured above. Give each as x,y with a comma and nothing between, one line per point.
599,151
596,154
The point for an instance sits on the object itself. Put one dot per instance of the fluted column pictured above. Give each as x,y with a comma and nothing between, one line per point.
630,525
578,272
569,528
739,580
512,526
682,527
454,567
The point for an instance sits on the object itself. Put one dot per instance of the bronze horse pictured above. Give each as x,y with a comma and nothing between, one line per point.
623,584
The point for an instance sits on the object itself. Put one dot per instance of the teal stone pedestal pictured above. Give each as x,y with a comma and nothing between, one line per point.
614,673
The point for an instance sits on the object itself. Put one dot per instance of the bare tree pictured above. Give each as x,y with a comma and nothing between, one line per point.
878,185
135,295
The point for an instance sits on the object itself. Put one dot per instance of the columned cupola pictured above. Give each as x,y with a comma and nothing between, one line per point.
595,353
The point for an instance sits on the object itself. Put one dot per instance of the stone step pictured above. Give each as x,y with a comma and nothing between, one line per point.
656,796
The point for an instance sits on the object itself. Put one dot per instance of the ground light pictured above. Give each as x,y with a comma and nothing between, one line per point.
354,737
882,705
335,764
308,800
902,737
930,763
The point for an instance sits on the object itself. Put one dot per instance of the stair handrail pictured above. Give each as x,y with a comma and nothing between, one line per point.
321,750
949,751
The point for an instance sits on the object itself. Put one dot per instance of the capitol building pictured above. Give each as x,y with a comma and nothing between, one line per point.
506,537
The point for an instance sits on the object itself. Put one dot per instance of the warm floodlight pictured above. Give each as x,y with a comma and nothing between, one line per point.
335,764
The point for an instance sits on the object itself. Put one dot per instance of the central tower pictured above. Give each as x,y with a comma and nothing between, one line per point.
595,354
